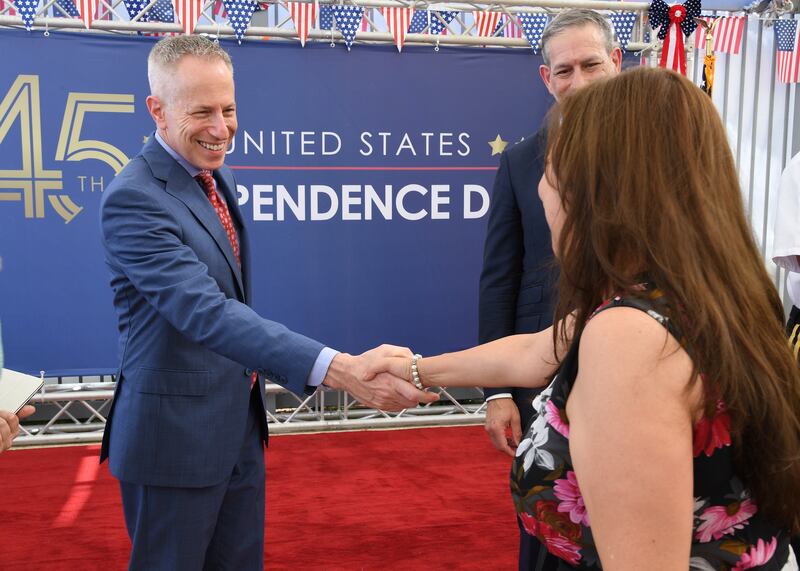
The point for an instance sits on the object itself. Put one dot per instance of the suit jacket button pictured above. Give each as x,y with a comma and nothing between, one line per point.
248,372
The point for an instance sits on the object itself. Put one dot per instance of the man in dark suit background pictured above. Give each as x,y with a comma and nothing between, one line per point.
186,433
515,287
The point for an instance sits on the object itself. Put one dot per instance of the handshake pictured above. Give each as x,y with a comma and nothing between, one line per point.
379,378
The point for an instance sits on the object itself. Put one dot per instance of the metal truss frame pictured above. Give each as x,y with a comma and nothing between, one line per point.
459,33
78,413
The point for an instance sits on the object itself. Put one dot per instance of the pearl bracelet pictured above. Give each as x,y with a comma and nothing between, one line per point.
415,372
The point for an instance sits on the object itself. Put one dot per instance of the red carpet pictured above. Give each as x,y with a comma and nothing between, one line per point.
434,498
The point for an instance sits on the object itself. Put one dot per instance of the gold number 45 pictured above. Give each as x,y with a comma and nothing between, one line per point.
32,181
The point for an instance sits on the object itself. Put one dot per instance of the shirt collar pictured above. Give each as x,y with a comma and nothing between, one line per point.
190,168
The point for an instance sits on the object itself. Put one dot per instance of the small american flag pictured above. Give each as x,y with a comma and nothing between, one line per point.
303,15
188,12
727,34
786,38
398,21
486,22
87,9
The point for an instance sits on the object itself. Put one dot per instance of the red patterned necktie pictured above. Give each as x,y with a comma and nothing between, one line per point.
206,180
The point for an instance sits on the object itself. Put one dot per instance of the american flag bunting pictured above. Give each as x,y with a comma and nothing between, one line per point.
788,54
87,9
303,15
27,11
161,12
622,23
7,8
325,17
188,12
348,20
64,8
240,12
398,21
533,25
219,11
134,7
437,21
511,30
419,22
486,22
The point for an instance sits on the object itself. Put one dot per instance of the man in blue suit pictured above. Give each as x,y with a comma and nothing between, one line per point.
515,285
186,432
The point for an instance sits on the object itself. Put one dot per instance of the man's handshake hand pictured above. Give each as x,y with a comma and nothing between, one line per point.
359,375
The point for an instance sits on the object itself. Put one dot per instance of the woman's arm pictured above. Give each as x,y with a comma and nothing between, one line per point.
525,360
631,441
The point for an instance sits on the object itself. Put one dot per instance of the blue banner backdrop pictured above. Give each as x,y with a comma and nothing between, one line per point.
364,177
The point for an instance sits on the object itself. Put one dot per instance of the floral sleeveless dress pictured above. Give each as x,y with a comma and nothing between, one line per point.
729,534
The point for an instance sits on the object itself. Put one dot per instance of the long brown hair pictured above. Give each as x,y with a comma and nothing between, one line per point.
648,184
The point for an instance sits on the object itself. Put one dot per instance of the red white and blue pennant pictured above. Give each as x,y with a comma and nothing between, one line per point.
623,26
533,25
348,20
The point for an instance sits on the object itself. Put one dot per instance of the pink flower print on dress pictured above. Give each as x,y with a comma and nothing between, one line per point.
571,500
559,535
757,555
529,523
719,521
713,431
556,418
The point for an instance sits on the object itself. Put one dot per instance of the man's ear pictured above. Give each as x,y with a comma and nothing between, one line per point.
156,109
616,57
544,73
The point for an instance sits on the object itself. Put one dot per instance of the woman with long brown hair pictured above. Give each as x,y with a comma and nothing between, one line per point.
669,435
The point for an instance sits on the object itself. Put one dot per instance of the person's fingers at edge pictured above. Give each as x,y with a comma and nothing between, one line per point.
26,411
516,431
497,435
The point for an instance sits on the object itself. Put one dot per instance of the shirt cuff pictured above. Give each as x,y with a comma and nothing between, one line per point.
499,396
320,368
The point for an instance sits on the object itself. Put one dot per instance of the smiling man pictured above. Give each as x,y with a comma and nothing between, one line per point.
187,427
515,297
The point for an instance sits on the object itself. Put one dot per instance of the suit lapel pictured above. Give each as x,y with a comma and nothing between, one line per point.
183,187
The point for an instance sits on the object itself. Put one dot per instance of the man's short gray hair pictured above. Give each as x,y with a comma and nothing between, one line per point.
166,54
574,18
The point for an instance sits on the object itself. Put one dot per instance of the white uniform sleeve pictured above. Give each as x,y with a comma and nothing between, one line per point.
786,243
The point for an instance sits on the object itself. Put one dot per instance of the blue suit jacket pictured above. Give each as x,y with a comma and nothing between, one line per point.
517,277
188,339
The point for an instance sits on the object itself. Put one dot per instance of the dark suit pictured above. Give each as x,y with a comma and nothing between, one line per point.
185,433
515,286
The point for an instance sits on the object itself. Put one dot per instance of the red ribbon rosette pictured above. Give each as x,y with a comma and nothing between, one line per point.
674,22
